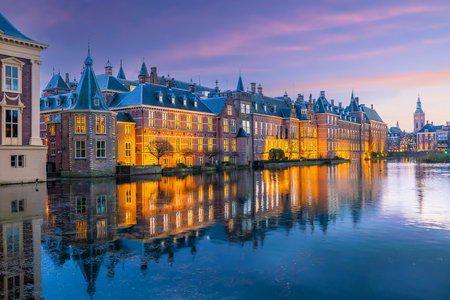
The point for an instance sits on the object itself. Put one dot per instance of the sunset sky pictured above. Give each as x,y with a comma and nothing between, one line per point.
388,52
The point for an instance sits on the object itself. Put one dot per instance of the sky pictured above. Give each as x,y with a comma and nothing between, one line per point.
387,52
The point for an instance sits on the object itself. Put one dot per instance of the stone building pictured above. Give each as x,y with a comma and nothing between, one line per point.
419,117
22,155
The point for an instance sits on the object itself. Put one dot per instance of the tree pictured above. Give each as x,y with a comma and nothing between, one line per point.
276,154
159,148
211,153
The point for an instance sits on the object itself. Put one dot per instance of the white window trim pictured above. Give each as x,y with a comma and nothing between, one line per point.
4,106
13,62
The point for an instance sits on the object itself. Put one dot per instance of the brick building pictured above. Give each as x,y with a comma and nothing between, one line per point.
197,124
22,155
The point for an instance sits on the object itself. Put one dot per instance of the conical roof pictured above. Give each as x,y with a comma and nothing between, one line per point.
57,82
121,74
144,71
240,85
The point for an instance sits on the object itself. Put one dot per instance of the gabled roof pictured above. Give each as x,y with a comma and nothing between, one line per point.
89,96
215,105
144,71
430,128
7,28
395,130
57,82
108,82
148,94
240,85
241,133
121,74
125,118
371,114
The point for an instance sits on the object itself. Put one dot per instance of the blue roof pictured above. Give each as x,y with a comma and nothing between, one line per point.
88,91
56,82
215,105
56,119
60,101
240,85
108,82
184,85
125,117
430,128
8,29
371,114
143,71
241,133
121,74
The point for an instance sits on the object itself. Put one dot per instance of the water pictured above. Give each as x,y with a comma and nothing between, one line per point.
351,231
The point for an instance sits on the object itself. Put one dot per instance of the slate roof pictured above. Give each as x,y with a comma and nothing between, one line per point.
395,130
56,119
88,90
430,128
51,102
184,85
121,74
241,133
125,117
240,85
215,105
8,29
148,94
371,114
57,82
144,71
108,82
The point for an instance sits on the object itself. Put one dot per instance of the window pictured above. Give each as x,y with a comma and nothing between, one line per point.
17,206
225,145
96,101
101,149
225,125
184,101
190,143
233,145
53,149
189,122
178,144
100,121
243,108
127,149
200,144
256,128
13,232
80,205
164,119
229,110
52,130
173,99
233,126
80,124
177,121
127,129
80,149
151,118
101,229
210,124
210,144
101,204
199,123
12,123
81,230
161,97
247,108
11,78
17,161
14,287
246,126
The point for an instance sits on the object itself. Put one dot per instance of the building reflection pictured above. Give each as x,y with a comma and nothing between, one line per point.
99,224
22,209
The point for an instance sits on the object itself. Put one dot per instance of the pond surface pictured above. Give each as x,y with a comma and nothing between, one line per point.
351,231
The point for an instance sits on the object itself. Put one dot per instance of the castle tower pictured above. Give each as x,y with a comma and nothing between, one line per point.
419,116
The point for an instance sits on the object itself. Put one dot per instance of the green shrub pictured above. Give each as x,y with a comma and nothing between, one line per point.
181,165
276,154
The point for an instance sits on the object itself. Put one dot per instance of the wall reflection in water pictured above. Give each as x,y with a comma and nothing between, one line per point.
101,223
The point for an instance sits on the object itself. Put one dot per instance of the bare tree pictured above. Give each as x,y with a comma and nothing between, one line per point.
234,154
159,148
211,153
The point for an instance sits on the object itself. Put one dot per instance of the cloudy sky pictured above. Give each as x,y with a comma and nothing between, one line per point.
388,52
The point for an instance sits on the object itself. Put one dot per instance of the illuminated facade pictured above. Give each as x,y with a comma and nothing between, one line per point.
419,117
198,124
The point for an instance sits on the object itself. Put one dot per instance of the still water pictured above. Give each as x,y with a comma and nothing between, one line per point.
351,231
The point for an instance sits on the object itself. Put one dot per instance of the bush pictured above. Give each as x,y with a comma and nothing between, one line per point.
181,165
226,163
207,164
276,154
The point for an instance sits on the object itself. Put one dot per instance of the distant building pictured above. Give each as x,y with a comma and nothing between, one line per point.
394,139
419,117
22,155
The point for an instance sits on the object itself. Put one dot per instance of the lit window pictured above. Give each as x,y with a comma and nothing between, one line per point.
200,144
229,110
11,123
189,121
100,121
210,144
151,118
80,149
177,121
233,145
225,145
81,230
80,124
178,144
225,125
256,128
101,149
199,123
210,124
164,119
127,129
189,143
51,129
127,149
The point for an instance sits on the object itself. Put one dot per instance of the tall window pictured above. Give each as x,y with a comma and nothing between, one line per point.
14,290
53,149
101,229
13,240
177,121
151,118
199,123
189,143
210,124
233,126
229,110
225,145
80,149
210,144
164,119
51,129
225,125
100,121
127,149
11,78
80,124
256,128
233,145
127,129
101,204
12,123
178,144
189,122
101,148
80,205
200,144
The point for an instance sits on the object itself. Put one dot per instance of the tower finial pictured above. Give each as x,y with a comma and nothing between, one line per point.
89,48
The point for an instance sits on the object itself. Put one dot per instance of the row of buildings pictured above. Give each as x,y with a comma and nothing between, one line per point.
425,136
103,120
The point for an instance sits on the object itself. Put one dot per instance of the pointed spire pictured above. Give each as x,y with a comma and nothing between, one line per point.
240,85
88,61
144,71
419,105
121,73
398,125
108,64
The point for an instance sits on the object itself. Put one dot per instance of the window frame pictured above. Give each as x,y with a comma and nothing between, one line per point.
12,62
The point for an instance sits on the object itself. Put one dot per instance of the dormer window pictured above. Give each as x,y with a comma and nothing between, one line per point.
58,102
185,102
72,101
46,104
160,97
96,101
256,106
173,99
196,103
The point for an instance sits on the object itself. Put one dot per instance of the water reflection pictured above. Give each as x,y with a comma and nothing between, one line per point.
101,225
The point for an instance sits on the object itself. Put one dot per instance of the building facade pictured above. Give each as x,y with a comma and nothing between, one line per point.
419,117
160,120
22,154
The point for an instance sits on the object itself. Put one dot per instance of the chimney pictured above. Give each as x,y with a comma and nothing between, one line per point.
154,75
340,104
260,89
300,98
191,87
357,100
108,68
322,93
253,87
332,102
286,97
431,123
67,80
371,106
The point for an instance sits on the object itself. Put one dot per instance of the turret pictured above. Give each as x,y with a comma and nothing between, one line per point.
143,76
108,68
